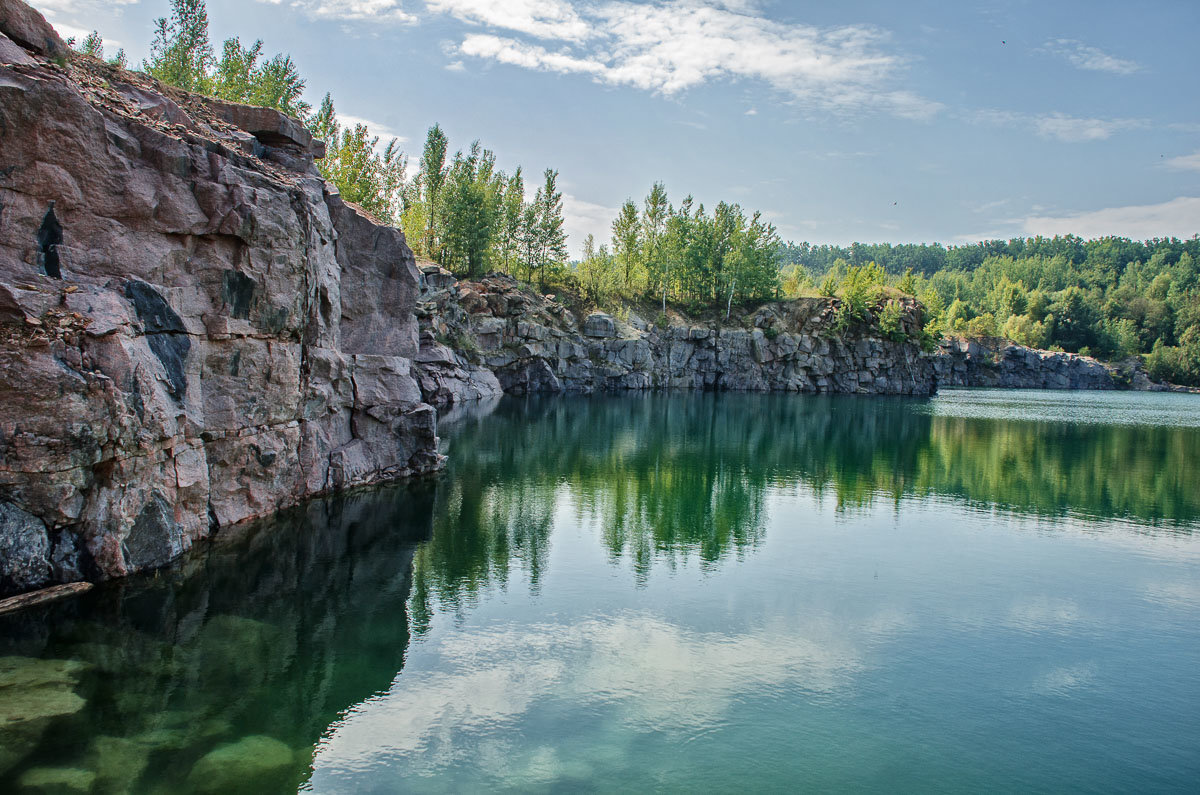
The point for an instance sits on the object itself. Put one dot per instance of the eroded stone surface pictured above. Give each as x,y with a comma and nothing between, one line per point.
998,363
206,332
490,336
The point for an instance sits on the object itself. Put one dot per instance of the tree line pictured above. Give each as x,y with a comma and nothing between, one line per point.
1110,297
683,255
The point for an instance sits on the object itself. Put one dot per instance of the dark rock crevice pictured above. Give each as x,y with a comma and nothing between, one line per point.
49,238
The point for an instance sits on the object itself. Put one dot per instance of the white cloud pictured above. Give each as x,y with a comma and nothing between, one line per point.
670,47
529,56
1176,218
384,132
582,218
375,10
1059,126
1186,162
76,18
547,19
1091,58
1075,130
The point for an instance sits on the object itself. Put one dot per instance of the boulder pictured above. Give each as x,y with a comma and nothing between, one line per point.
599,324
25,561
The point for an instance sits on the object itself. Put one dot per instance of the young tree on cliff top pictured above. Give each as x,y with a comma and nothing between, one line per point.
471,196
181,54
627,244
551,239
276,83
655,211
508,237
432,178
375,181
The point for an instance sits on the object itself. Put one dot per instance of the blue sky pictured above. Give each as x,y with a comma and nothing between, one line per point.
868,121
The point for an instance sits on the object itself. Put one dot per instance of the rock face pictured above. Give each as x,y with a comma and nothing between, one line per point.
195,329
490,336
998,363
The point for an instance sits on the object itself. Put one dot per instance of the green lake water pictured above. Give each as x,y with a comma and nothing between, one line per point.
986,591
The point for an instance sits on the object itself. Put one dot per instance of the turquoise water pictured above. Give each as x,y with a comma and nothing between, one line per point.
984,591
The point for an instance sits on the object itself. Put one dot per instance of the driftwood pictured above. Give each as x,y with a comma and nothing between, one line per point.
24,600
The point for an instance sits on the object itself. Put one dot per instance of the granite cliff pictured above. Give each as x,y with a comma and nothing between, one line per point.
195,329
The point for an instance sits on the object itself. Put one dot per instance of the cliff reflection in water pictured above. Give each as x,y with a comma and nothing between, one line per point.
221,673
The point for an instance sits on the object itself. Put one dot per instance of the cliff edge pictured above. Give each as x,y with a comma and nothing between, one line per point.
195,329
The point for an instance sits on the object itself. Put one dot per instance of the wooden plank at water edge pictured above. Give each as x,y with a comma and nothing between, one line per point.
14,603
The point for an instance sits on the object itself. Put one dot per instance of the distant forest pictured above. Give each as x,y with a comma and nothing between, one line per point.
1111,297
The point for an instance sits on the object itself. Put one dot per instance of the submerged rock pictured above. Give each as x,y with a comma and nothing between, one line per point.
57,780
252,764
33,693
118,762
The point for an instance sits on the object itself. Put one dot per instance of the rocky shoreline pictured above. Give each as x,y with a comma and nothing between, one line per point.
196,330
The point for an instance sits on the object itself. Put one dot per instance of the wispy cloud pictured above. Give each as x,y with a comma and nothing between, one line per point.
372,10
1176,218
545,19
1060,126
670,47
1092,59
582,218
384,132
1186,162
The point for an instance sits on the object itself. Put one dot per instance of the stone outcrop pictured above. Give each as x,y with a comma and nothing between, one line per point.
490,336
999,363
195,329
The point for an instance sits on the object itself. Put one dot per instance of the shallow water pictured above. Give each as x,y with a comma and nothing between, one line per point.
987,590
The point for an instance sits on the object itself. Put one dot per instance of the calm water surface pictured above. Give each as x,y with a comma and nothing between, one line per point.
985,591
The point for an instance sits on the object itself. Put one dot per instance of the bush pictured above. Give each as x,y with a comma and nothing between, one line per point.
891,321
1174,364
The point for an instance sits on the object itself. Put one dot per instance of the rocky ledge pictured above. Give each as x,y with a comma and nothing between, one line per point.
484,337
999,363
195,329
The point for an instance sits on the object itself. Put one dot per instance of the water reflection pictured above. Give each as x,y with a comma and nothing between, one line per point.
669,476
218,675
222,673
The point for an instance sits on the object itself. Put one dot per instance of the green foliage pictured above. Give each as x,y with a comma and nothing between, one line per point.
859,290
599,277
891,321
1112,296
829,286
371,179
181,54
471,201
688,256
1178,364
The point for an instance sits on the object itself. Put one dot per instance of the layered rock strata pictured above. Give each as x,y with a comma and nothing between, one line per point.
490,336
195,329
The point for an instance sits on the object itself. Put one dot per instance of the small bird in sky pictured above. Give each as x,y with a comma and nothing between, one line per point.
1002,41
895,203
